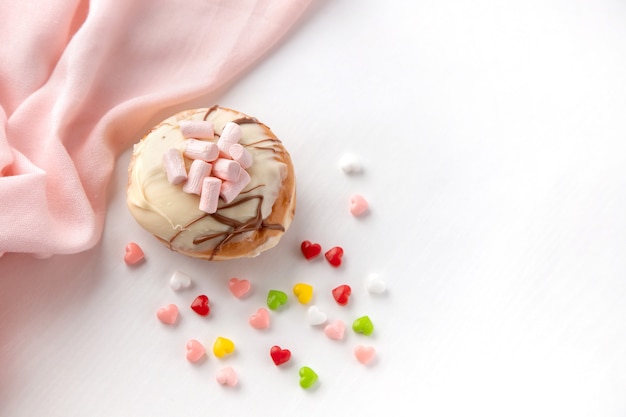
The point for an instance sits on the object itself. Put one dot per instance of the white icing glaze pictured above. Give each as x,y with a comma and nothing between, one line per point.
171,214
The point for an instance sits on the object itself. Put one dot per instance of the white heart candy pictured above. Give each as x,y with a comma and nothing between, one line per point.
315,317
375,284
180,281
350,164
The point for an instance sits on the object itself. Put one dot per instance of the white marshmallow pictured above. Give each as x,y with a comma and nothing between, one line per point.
210,195
200,129
200,149
174,166
198,171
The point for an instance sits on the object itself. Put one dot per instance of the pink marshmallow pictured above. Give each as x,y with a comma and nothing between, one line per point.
226,169
174,166
230,135
210,195
200,129
200,149
197,172
241,155
231,189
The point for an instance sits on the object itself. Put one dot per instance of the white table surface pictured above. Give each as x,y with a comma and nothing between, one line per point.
493,138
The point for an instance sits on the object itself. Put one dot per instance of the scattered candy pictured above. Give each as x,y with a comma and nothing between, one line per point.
308,377
174,166
241,155
200,149
279,355
342,294
168,314
133,254
358,205
227,376
239,287
363,325
180,281
304,292
201,305
200,129
310,250
210,194
335,330
334,256
195,350
364,354
315,317
375,284
223,347
198,171
260,320
276,299
350,164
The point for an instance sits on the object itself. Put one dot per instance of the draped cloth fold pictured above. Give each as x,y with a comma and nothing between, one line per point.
78,76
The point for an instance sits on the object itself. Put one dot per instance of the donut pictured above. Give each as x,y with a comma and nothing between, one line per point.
177,168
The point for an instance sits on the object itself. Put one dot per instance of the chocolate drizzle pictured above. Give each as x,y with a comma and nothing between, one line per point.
236,227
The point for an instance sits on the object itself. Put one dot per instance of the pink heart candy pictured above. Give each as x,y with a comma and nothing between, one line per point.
364,354
335,330
261,319
358,205
168,314
227,376
195,350
133,254
239,287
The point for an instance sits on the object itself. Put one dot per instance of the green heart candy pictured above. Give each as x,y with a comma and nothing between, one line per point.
363,325
275,299
308,377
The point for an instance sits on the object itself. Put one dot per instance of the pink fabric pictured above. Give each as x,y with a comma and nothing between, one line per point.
79,79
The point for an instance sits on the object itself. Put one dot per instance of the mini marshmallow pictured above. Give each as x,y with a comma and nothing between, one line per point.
231,189
226,169
350,164
241,155
230,135
200,149
197,172
196,129
174,166
210,195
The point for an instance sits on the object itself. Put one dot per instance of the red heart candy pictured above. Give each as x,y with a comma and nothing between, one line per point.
133,254
279,355
310,250
334,255
342,294
201,305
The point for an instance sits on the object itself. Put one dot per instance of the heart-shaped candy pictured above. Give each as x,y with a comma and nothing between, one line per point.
363,325
180,281
335,330
364,354
308,377
227,376
168,314
334,256
201,305
261,319
280,355
315,317
195,350
275,299
239,287
342,294
358,205
133,254
310,250
223,347
375,284
304,292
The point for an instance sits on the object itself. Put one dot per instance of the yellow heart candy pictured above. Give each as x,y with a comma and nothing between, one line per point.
223,347
304,292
